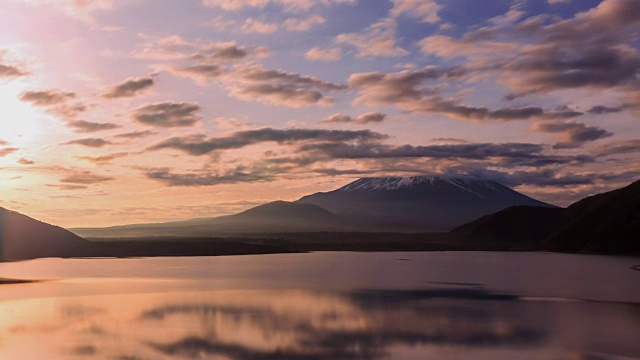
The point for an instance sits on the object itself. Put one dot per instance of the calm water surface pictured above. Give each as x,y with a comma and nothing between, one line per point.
436,305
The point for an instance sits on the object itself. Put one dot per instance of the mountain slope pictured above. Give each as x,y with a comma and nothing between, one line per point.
420,202
284,216
410,204
22,237
605,223
516,227
274,217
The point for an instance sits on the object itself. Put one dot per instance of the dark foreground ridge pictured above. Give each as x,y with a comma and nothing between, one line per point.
607,223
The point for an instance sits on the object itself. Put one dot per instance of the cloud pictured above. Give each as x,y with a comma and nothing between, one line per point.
136,134
252,26
258,74
472,46
338,118
238,175
542,54
589,50
46,97
104,159
130,87
538,177
514,14
247,82
87,126
478,151
167,114
379,39
88,142
7,151
55,102
219,23
201,73
400,87
295,6
406,91
285,95
304,24
231,123
448,140
24,161
199,145
85,178
315,53
81,10
425,10
600,109
339,172
10,71
67,187
618,147
229,51
175,48
504,155
571,134
370,117
549,178
280,88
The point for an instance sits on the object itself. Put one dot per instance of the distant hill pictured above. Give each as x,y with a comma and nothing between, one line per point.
419,203
603,223
22,237
274,217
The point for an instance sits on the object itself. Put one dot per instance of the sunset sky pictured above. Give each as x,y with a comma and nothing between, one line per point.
124,111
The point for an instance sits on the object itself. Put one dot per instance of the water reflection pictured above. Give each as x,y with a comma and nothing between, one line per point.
299,324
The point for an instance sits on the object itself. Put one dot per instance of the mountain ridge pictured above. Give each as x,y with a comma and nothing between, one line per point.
272,217
404,200
22,237
428,202
608,222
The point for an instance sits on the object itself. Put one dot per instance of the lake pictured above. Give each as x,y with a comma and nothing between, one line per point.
324,305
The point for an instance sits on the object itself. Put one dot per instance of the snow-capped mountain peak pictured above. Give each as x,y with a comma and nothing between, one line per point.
394,183
431,202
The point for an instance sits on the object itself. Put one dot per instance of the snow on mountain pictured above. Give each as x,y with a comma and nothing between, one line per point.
435,202
395,183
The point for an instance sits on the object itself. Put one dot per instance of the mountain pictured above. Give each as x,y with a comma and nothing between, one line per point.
517,227
391,204
603,223
273,217
22,237
419,203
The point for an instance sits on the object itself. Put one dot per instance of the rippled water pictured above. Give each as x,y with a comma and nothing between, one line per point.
453,305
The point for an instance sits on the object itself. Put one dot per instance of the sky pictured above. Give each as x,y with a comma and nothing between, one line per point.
128,111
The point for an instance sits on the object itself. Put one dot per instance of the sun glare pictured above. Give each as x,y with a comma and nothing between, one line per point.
19,123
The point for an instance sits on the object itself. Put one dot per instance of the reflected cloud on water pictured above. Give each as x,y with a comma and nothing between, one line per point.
359,325
443,322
